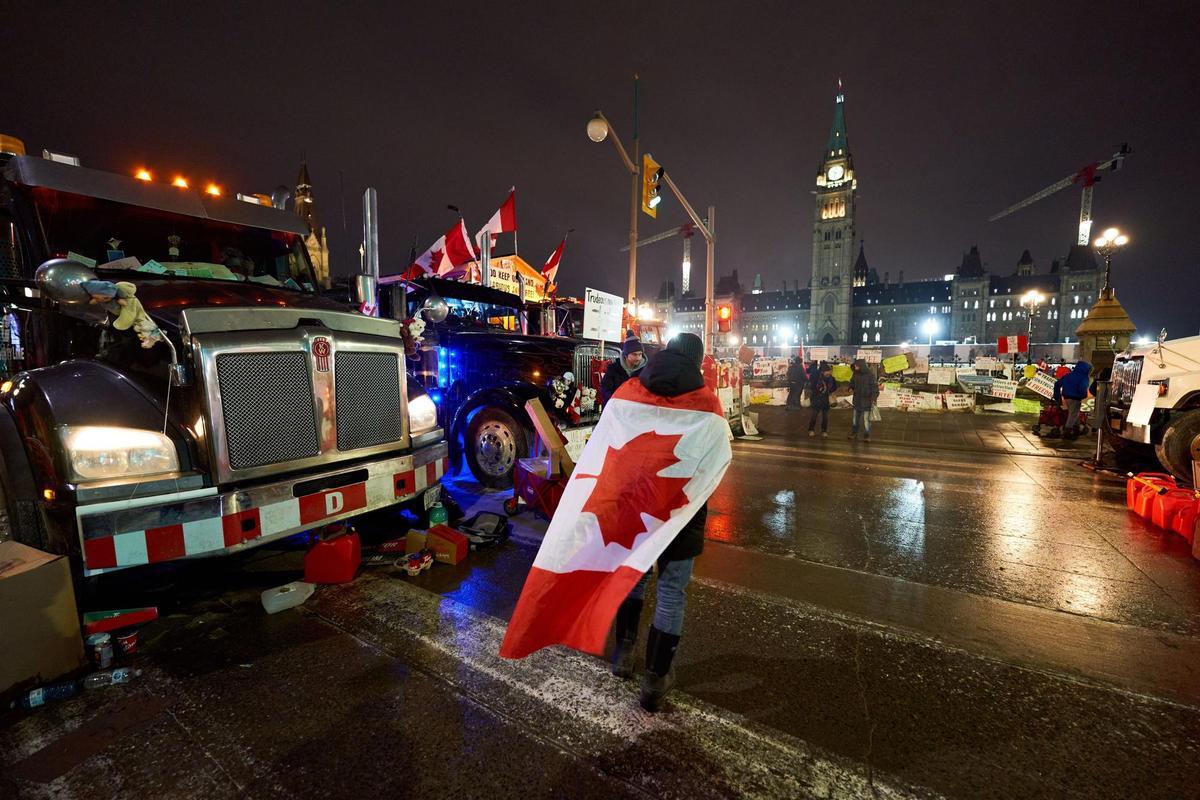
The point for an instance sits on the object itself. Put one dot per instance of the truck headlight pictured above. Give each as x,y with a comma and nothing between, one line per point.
100,453
422,414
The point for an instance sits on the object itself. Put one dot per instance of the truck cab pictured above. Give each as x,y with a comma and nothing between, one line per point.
481,368
240,408
1172,368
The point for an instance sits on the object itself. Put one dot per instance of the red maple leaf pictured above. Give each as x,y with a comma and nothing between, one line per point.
435,258
629,485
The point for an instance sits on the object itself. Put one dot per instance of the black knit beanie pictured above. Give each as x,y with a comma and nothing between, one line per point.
689,344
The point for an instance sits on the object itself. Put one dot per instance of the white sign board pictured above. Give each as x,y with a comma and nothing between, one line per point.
1003,388
888,398
818,354
1042,384
1143,404
602,316
942,376
985,364
958,402
870,356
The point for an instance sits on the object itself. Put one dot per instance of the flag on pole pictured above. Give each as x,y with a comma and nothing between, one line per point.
428,262
503,221
551,268
458,251
650,465
1013,344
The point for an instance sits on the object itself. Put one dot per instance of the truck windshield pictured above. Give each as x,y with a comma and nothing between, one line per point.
472,314
159,244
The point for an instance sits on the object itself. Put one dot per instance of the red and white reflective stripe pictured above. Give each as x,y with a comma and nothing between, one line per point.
246,527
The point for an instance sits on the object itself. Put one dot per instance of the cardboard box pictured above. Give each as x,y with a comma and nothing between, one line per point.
448,545
39,624
416,541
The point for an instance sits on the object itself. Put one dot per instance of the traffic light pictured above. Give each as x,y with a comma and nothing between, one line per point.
724,318
652,173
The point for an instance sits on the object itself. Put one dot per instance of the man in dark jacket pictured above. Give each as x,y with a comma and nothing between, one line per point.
632,359
1073,389
865,389
670,373
796,381
819,391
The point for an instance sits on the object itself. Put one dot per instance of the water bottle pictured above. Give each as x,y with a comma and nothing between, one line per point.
109,677
438,515
289,595
43,694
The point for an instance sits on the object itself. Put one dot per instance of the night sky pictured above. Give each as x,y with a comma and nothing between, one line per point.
954,112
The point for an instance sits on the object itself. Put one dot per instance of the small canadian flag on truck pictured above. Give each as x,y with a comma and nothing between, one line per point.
1013,344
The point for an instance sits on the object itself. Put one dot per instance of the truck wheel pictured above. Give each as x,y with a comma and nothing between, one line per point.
494,443
1175,450
23,518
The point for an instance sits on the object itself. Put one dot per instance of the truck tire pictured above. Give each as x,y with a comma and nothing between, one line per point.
494,442
22,516
1175,450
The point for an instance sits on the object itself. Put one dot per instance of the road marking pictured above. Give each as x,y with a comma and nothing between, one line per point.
578,706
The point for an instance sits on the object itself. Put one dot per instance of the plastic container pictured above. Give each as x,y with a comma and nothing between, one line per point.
44,694
1185,521
438,515
100,649
287,596
110,677
333,560
1134,489
1165,507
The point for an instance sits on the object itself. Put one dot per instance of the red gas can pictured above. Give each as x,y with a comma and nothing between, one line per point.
1134,488
1185,521
333,560
1165,507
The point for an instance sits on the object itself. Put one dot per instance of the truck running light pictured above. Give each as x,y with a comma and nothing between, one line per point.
180,181
143,174
213,189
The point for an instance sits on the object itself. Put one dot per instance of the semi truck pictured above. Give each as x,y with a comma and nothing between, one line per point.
171,384
1170,371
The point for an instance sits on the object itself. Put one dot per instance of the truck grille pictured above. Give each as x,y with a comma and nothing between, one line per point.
589,365
267,404
1125,377
368,399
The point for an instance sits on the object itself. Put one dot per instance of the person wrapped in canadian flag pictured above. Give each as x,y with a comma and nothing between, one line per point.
637,498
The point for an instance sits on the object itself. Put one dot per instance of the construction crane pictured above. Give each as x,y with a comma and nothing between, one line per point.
687,231
1085,178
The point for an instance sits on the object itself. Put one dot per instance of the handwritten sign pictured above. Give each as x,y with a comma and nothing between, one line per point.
959,402
941,376
931,401
910,402
965,371
1003,388
985,364
1027,406
870,356
602,316
818,354
1042,384
896,363
888,398
842,372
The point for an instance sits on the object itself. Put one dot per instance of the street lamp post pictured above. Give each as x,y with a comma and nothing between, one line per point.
1032,300
1109,243
598,129
929,328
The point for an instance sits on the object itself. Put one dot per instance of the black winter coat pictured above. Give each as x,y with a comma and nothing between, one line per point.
614,376
671,374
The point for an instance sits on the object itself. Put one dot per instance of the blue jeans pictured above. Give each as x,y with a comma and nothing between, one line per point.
673,578
865,418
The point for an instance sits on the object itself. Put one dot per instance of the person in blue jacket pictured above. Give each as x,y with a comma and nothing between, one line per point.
1073,389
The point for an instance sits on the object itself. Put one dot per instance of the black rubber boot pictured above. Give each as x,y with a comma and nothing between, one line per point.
628,616
660,675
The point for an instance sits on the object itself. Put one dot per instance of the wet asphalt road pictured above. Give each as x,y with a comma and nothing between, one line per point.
867,620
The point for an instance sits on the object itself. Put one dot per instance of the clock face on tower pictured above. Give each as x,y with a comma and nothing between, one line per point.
835,172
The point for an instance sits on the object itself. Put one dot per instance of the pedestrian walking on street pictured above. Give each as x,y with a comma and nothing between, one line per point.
819,392
1071,390
632,359
865,389
673,372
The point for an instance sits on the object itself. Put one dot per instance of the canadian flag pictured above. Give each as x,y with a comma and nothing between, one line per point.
503,221
649,466
1013,344
450,251
551,268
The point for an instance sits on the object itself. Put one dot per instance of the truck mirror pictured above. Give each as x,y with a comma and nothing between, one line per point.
435,309
61,279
